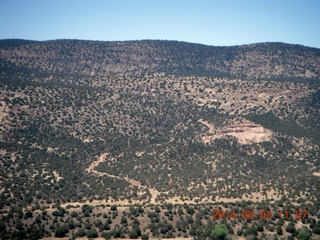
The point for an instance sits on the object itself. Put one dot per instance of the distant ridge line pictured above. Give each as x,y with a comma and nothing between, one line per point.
28,41
268,60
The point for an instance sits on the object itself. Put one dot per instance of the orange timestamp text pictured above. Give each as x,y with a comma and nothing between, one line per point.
262,214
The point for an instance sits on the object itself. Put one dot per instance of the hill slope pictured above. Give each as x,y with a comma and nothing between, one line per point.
255,61
108,123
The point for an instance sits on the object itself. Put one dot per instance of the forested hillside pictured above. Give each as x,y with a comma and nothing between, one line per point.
148,138
255,61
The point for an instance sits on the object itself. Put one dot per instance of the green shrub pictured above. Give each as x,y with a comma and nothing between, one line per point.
92,233
220,231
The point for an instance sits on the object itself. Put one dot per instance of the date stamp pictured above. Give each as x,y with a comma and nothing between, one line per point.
262,214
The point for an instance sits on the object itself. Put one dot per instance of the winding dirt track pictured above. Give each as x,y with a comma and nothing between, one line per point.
154,193
90,170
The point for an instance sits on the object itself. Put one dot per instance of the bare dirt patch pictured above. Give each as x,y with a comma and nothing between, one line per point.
57,176
316,174
246,132
99,160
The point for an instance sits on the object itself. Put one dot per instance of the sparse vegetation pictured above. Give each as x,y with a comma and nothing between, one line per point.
92,148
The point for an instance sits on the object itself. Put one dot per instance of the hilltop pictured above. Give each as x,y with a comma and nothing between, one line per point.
94,58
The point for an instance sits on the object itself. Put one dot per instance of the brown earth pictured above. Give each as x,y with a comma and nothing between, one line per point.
246,132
